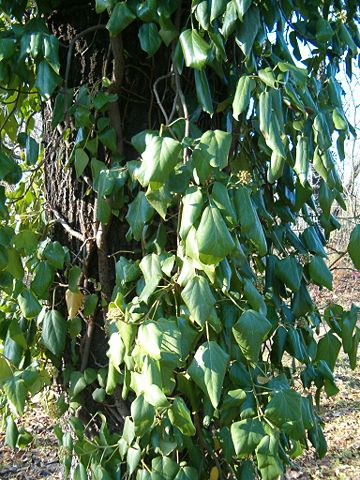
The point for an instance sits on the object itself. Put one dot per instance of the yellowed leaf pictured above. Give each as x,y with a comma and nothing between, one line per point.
214,473
73,302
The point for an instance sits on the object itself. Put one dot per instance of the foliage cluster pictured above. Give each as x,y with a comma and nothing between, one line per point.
212,302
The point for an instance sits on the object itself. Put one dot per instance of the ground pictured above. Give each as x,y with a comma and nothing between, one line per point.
340,413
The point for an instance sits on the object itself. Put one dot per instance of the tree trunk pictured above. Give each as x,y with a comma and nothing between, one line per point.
73,210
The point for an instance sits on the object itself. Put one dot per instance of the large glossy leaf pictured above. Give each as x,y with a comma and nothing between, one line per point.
158,161
139,213
250,331
16,391
46,80
320,273
29,305
120,18
213,238
199,299
242,95
221,198
328,349
143,415
192,200
284,411
54,332
180,416
203,91
208,370
149,37
195,49
289,271
267,455
151,269
249,219
214,148
246,435
248,30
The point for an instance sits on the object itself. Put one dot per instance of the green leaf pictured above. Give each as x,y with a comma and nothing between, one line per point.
267,76
302,160
15,390
54,332
12,432
5,369
90,304
29,305
143,415
160,199
195,49
73,278
203,91
339,119
243,91
139,213
289,271
313,242
133,458
126,271
81,161
54,254
214,148
328,349
156,397
208,369
247,31
120,18
14,266
26,241
248,218
321,132
116,350
284,411
180,416
250,331
187,473
267,455
199,299
108,138
44,276
242,6
354,246
192,200
102,5
213,238
158,161
149,37
151,269
46,80
32,150
8,48
246,435
77,383
9,169
254,297
320,273
222,200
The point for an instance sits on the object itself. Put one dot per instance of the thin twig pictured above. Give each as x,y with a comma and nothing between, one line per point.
66,226
163,77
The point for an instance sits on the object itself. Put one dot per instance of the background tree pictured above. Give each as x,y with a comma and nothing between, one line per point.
147,248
